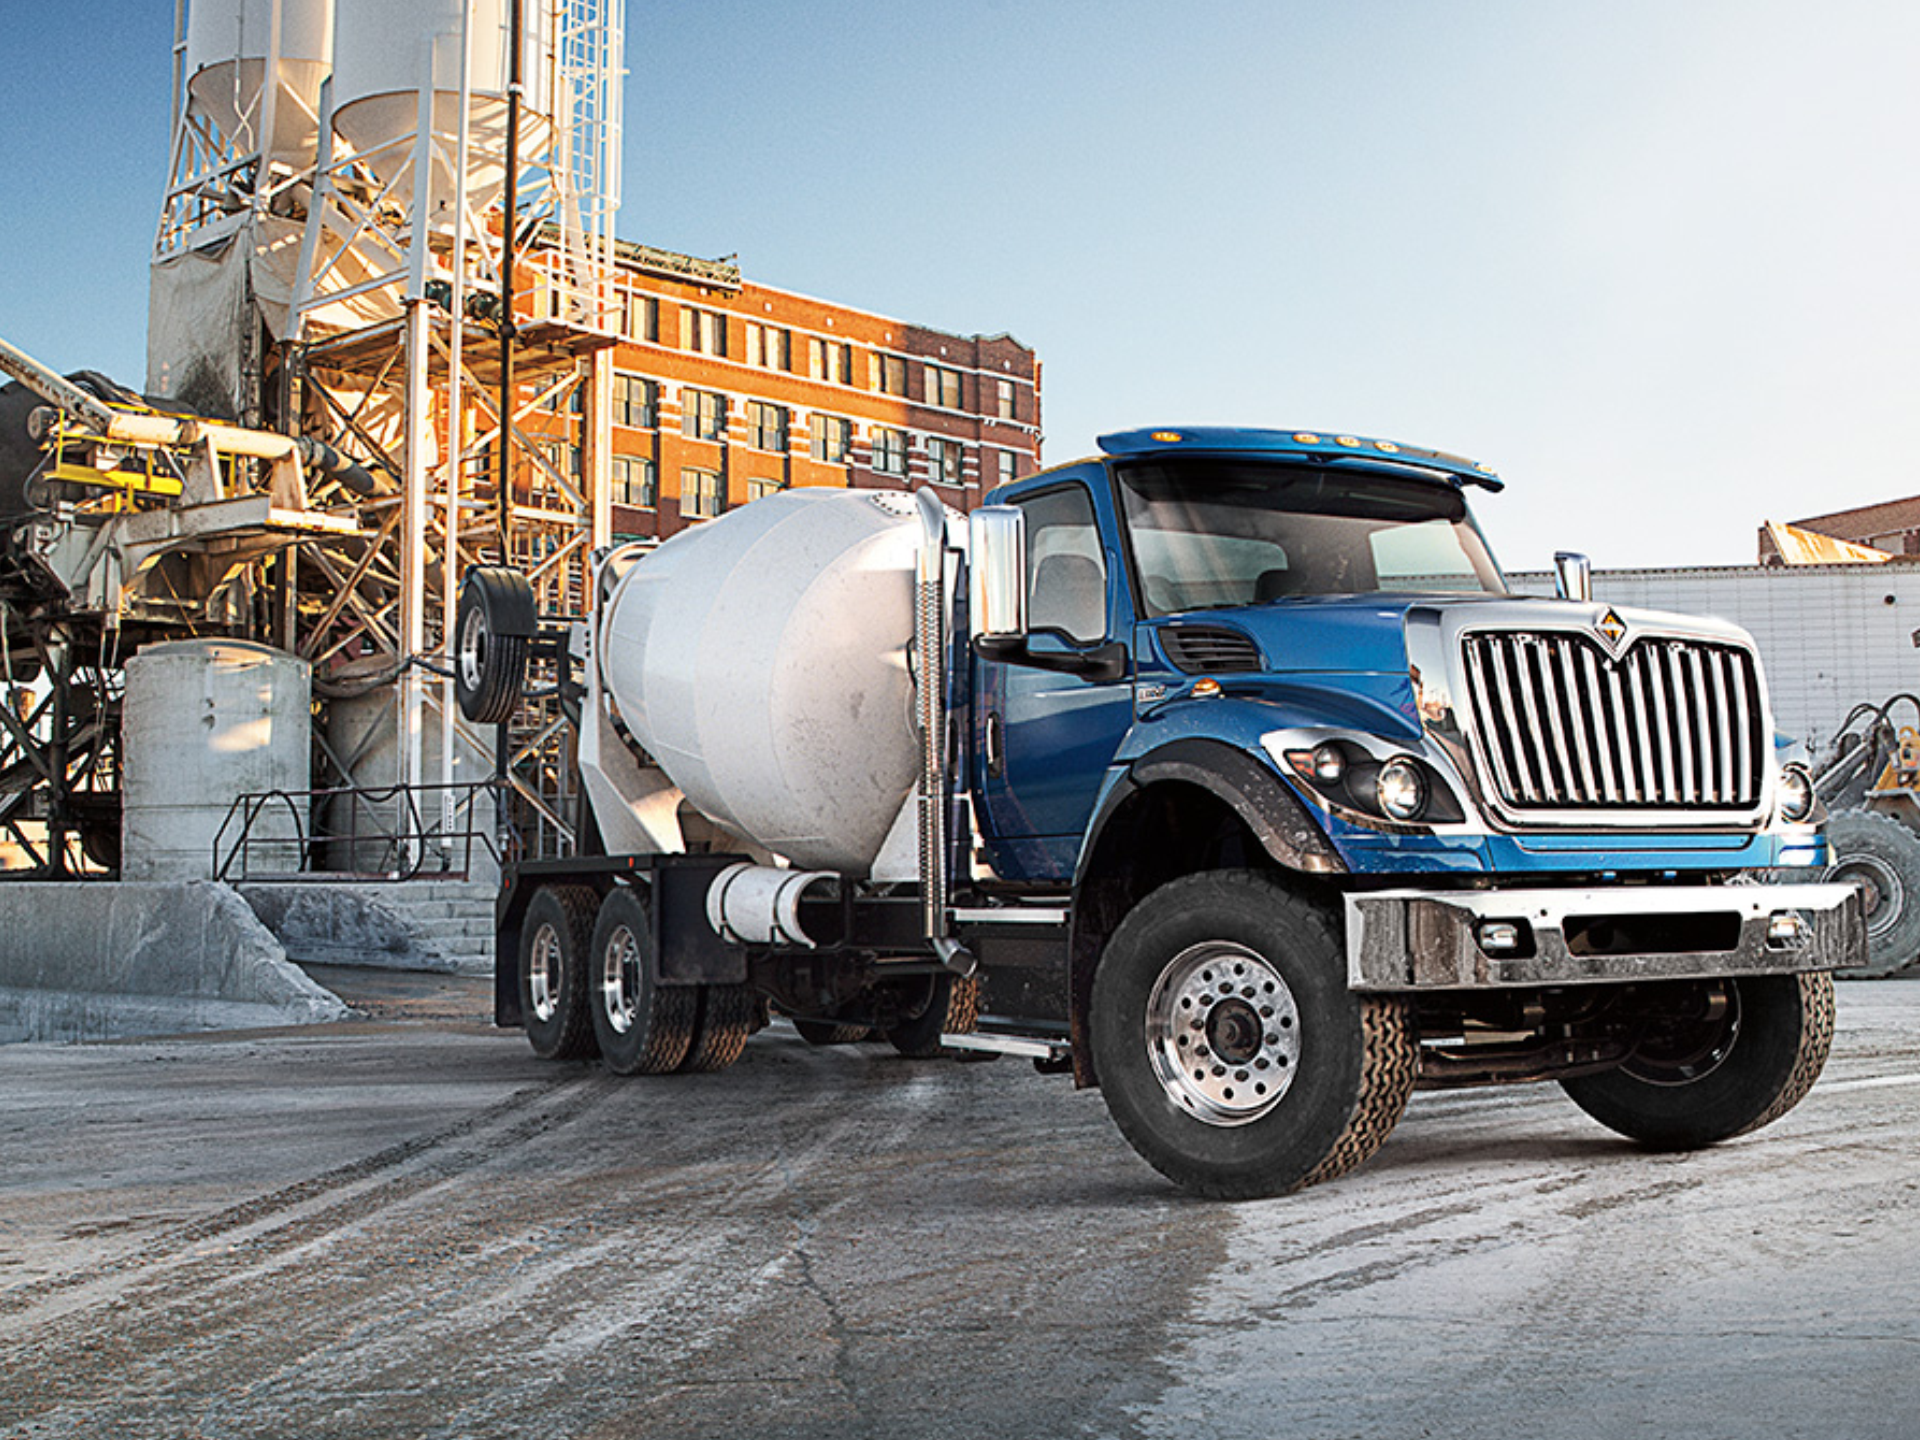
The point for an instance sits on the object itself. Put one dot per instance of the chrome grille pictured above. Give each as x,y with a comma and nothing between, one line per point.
1674,724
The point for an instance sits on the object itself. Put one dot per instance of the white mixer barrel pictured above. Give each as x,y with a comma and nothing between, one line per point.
761,659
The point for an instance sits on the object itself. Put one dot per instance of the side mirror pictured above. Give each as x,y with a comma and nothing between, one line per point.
1572,576
997,550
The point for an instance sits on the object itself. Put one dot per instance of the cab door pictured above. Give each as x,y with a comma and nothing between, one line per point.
1044,739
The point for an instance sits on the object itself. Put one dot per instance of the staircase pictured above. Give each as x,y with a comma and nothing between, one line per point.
444,925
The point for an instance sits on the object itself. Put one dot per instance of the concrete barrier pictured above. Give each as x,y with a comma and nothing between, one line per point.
87,961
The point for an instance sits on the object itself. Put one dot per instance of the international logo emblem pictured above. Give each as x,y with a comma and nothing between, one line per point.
1612,629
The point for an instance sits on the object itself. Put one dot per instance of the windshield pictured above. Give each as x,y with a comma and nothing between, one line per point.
1214,532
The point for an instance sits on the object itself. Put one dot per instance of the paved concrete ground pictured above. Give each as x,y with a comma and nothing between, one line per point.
406,1226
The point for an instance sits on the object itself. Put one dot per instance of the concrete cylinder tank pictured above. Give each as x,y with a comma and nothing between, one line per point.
229,44
206,721
381,50
761,660
358,830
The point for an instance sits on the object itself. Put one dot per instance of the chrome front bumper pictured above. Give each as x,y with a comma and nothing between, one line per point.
1450,939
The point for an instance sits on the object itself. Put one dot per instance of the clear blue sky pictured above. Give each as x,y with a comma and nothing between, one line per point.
1657,262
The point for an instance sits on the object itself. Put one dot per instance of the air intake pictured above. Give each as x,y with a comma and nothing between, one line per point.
1210,649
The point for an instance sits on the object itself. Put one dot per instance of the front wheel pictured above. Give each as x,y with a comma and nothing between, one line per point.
1730,1060
1228,1047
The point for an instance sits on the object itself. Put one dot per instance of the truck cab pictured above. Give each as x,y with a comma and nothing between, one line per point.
1279,676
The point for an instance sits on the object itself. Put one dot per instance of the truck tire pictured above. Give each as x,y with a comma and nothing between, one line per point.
1881,856
489,667
1229,1049
644,1028
554,943
952,1008
1716,1079
727,1016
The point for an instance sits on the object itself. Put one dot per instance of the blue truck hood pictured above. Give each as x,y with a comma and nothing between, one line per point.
1328,634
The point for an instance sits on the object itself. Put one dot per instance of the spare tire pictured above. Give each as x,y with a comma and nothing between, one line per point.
493,626
1881,856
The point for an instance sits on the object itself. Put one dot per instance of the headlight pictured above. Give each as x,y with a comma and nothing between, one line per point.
1796,792
1401,789
1328,764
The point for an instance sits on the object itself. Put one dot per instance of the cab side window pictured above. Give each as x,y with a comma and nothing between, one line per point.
1066,566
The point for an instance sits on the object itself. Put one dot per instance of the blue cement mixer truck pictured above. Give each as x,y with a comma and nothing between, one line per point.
1219,770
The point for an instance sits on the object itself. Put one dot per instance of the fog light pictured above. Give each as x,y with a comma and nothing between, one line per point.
1796,793
1499,936
1401,789
1787,930
1328,764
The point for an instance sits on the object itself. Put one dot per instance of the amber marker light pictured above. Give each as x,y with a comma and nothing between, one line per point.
1350,441
1306,437
1206,689
1168,437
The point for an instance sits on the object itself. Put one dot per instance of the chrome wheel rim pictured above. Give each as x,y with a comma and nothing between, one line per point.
543,974
1223,1033
620,979
473,649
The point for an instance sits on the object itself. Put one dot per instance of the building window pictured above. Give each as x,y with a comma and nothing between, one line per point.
1005,401
830,360
1009,468
832,439
636,402
635,482
640,319
703,331
768,346
943,387
889,452
700,493
889,374
943,460
703,414
767,426
757,487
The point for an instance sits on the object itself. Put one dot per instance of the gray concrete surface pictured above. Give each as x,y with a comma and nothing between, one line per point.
90,961
406,1226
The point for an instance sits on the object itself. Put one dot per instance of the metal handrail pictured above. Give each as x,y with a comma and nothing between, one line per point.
403,848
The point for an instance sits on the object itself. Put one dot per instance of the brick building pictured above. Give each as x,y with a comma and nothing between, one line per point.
1892,526
724,391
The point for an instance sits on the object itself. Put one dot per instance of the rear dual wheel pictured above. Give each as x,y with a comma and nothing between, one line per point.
555,940
951,1007
644,1027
